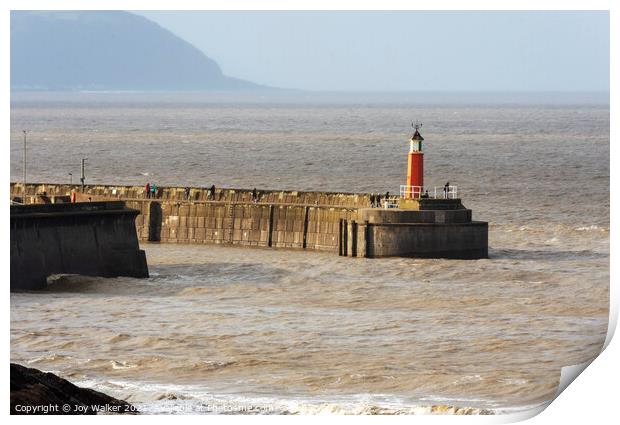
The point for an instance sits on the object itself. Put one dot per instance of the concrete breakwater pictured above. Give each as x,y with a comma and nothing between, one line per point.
342,223
93,239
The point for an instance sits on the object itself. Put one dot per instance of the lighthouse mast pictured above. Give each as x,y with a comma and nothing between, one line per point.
415,164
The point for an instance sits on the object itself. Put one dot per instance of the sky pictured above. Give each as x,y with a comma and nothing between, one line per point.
403,50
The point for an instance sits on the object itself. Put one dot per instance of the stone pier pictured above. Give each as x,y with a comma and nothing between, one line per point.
342,223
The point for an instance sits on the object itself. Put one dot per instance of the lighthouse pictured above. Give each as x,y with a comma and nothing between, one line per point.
415,165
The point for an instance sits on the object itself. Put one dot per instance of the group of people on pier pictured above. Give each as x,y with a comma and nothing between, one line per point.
376,201
151,190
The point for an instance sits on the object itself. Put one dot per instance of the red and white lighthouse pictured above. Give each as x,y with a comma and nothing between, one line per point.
415,165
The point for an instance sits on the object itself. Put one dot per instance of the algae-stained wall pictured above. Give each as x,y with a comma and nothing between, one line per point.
280,219
246,224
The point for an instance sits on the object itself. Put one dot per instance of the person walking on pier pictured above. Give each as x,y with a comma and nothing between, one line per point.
147,189
254,195
378,200
187,193
211,193
372,200
153,190
446,190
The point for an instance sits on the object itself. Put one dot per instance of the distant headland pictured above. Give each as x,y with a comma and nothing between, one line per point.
107,50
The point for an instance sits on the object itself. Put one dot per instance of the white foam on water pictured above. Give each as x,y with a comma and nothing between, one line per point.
154,398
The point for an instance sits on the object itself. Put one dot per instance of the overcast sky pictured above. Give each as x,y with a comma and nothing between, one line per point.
394,51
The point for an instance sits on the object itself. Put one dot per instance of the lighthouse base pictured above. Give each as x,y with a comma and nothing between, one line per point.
447,231
457,240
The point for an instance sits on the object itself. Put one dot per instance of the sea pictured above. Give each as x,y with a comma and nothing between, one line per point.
236,330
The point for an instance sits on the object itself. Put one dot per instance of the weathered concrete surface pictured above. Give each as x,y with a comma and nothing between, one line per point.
393,215
422,240
423,233
341,223
40,393
94,239
242,223
430,204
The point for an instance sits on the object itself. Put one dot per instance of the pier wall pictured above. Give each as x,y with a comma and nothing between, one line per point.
340,223
280,219
458,240
93,239
242,223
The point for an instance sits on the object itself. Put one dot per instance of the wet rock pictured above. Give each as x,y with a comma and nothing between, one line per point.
40,393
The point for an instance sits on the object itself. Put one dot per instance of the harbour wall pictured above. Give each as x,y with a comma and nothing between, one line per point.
241,223
93,239
280,219
341,223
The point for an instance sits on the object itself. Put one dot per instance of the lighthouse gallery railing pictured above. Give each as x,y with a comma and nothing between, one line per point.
436,192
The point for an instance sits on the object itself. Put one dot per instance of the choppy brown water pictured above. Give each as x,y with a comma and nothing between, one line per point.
294,331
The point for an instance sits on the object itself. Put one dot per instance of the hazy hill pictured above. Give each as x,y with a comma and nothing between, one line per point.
107,50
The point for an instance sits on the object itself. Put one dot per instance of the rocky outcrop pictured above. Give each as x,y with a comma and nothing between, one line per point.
40,393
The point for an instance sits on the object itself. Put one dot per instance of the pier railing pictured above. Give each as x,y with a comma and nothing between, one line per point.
391,202
436,192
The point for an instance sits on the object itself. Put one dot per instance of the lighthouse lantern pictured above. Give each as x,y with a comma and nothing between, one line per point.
416,141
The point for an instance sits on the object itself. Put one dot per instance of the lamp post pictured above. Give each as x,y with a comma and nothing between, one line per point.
71,179
83,177
24,200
